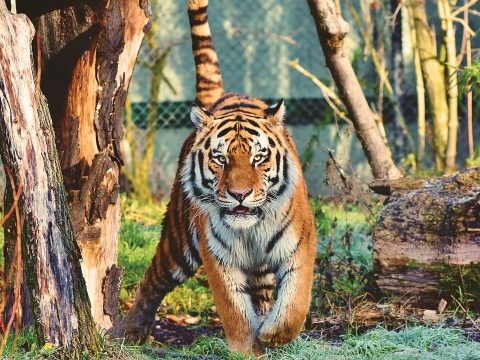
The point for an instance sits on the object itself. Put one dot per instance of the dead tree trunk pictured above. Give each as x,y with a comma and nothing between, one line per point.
51,259
332,29
427,238
85,76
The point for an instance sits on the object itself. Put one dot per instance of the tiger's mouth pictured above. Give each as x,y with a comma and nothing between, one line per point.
241,210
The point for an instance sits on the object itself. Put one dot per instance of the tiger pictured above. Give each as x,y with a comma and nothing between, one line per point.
239,207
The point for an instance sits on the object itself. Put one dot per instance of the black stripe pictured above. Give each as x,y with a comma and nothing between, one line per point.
223,99
225,131
196,190
186,223
254,288
259,273
271,142
177,243
254,123
201,37
279,282
204,80
196,12
167,274
253,132
207,183
207,144
196,20
275,238
239,105
204,59
218,238
283,187
244,112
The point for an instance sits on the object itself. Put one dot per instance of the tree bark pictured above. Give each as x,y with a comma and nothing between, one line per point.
427,238
434,79
51,259
449,42
87,54
420,90
332,29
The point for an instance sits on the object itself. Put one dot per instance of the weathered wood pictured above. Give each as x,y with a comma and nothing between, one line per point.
427,238
88,52
331,30
51,258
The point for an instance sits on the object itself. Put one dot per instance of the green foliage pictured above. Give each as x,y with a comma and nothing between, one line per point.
344,258
473,160
469,78
139,234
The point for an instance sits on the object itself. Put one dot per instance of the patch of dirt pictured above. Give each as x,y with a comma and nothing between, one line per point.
174,334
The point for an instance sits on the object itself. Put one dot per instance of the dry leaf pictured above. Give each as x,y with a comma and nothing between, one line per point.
441,306
430,315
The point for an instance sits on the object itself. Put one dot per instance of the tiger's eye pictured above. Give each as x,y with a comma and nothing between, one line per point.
257,158
222,159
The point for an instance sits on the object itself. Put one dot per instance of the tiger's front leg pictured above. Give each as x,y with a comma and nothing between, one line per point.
294,286
234,306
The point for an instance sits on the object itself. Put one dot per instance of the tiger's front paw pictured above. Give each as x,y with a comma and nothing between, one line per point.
275,335
134,328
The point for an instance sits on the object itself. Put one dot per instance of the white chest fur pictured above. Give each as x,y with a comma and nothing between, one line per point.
268,243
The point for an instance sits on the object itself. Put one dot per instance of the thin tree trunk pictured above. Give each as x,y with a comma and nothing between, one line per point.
85,76
51,259
420,90
398,79
434,78
451,81
332,29
468,51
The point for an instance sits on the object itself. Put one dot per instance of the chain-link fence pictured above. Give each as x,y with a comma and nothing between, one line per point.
255,40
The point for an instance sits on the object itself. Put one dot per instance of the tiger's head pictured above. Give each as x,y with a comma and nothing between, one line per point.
242,164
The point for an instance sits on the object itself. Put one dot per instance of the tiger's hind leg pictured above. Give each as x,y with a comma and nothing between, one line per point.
173,263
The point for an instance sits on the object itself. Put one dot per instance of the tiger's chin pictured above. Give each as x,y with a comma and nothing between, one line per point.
241,217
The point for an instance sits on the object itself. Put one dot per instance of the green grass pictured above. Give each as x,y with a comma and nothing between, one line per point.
419,342
139,235
410,343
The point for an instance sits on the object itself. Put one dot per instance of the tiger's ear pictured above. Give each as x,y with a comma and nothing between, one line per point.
276,113
199,116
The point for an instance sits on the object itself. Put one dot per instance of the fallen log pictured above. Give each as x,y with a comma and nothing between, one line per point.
427,238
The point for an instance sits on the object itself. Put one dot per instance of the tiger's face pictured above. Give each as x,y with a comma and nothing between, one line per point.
239,167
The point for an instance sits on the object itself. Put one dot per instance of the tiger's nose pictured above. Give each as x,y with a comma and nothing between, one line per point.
240,195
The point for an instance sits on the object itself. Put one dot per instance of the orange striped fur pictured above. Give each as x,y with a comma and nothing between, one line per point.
209,86
238,206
